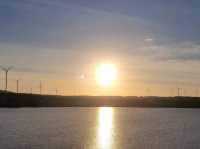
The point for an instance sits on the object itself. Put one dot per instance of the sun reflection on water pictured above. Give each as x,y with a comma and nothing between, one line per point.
105,127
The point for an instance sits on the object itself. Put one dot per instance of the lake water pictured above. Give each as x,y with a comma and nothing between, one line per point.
99,128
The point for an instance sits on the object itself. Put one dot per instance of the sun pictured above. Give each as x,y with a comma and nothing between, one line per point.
106,74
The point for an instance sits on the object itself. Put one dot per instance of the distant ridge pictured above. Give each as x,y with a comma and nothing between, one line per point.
2,91
9,99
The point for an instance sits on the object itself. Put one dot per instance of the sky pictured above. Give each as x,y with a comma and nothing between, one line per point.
153,43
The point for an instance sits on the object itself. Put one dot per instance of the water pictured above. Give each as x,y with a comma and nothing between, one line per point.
99,128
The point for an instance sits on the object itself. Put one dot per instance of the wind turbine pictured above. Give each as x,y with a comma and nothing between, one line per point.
6,70
40,87
18,85
17,89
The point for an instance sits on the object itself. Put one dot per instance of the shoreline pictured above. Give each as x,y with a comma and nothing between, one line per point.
14,100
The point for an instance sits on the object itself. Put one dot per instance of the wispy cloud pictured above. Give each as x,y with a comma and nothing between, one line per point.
149,39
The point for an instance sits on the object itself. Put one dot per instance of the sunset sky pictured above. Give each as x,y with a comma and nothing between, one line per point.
154,44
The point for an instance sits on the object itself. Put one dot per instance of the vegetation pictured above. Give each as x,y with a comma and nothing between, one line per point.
8,99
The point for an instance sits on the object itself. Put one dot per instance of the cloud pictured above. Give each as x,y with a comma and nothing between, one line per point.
149,39
185,51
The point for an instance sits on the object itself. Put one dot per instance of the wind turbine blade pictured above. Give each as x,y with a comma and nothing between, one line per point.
2,68
6,68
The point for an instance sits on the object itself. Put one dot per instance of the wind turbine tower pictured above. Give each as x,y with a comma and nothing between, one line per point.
40,87
17,86
6,70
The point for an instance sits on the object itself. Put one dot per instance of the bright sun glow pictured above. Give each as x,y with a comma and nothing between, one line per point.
106,74
105,128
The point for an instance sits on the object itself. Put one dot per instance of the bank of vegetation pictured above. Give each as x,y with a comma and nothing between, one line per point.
33,100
